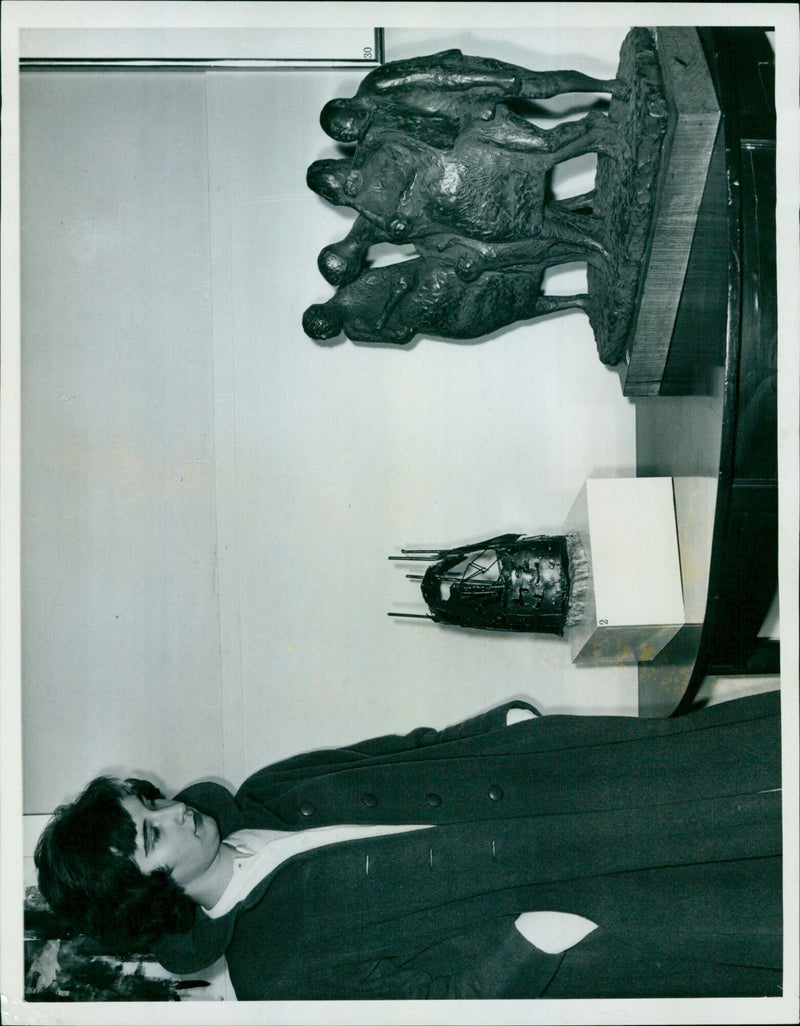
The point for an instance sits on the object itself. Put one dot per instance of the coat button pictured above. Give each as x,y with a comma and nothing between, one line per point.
369,800
307,809
433,800
495,792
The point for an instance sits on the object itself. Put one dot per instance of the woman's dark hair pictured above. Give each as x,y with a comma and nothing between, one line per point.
89,879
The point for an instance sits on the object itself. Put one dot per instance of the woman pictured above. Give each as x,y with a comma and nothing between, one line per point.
660,839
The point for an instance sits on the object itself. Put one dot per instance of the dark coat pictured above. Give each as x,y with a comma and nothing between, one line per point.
666,833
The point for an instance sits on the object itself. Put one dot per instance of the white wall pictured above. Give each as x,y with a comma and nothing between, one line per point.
120,621
209,497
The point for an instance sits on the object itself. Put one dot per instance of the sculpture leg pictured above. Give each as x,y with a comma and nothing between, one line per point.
580,231
591,134
538,85
602,138
553,304
580,247
511,132
359,331
369,302
582,203
471,258
452,70
400,288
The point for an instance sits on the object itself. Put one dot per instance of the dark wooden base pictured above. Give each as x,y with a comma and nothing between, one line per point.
694,117
726,376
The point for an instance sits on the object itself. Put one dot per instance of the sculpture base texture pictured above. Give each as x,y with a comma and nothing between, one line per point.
445,159
625,195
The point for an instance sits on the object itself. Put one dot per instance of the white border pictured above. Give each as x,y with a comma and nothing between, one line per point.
16,15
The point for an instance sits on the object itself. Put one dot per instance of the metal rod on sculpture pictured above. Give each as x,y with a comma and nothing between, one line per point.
440,577
510,582
419,559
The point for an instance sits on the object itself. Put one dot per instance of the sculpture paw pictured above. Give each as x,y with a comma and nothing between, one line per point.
620,89
613,146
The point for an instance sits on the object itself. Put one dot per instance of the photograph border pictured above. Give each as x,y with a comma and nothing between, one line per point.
18,15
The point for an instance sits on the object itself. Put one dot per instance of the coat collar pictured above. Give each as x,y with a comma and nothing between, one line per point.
208,939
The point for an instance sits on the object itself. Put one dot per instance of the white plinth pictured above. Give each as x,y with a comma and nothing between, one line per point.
635,600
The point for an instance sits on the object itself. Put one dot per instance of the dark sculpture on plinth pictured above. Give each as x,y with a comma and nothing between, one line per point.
445,160
514,582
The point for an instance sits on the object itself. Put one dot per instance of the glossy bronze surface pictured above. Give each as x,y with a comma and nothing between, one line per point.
444,159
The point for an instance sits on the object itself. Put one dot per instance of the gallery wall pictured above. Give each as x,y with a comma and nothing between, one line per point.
209,497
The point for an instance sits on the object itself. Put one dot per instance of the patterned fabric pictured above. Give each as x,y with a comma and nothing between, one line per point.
63,966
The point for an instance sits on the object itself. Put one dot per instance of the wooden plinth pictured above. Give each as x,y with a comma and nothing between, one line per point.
686,154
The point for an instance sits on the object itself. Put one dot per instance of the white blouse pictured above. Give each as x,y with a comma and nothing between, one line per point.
259,852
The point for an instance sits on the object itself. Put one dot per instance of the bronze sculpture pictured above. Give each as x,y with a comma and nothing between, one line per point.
514,582
489,185
444,159
449,86
394,303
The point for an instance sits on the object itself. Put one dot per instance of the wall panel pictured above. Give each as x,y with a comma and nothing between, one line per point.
119,588
209,497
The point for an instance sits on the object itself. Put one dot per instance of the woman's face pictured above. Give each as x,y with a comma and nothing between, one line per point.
172,836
